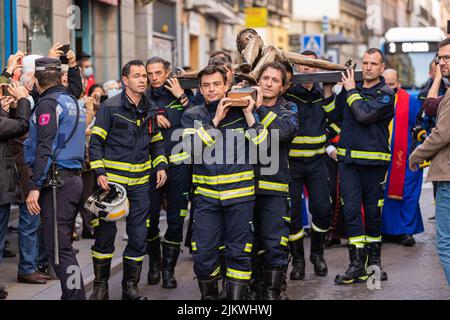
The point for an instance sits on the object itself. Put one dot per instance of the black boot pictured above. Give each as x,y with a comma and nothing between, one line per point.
131,275
256,286
316,255
236,290
3,293
170,257
155,261
209,288
374,258
298,259
102,269
273,282
223,273
283,294
356,271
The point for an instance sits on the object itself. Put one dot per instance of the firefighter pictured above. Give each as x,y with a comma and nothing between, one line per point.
364,156
126,143
272,216
55,151
218,137
316,107
172,102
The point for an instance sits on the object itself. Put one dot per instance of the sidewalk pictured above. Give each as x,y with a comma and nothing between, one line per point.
52,290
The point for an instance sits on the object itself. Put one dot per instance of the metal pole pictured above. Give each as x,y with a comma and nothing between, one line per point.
54,185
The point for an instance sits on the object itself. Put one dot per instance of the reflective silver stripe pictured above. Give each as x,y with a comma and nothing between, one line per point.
267,185
223,179
330,107
373,239
242,275
226,195
317,229
268,119
298,235
306,153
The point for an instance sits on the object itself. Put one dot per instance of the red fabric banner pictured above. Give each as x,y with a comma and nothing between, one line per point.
400,152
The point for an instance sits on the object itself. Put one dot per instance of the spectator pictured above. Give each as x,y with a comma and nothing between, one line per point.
220,54
14,115
112,88
87,71
437,148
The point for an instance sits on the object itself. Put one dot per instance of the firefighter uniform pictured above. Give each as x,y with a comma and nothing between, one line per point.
125,145
57,135
272,216
224,195
364,155
307,167
176,191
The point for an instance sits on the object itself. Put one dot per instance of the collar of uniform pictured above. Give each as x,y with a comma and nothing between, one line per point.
53,89
129,104
212,106
159,92
359,85
300,90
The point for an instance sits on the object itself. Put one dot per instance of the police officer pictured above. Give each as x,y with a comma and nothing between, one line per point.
272,216
224,185
364,156
125,144
55,148
316,108
171,100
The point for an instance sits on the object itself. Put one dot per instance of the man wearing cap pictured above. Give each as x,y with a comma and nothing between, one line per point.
56,148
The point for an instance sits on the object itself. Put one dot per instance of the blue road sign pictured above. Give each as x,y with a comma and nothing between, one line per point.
313,42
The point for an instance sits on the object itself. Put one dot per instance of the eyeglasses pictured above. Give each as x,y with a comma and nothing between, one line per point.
446,59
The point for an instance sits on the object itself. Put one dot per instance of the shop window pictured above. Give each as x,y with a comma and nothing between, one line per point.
41,25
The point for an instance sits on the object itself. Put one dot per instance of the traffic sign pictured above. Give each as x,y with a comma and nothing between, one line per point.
313,42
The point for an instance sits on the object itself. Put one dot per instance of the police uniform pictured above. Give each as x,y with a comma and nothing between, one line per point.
57,117
125,145
364,155
224,196
175,190
308,167
272,212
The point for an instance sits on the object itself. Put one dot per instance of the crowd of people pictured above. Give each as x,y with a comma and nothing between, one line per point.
240,169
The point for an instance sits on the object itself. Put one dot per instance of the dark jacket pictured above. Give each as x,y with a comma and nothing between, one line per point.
126,141
281,120
228,177
366,114
314,112
12,126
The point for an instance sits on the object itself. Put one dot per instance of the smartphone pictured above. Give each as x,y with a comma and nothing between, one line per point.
63,58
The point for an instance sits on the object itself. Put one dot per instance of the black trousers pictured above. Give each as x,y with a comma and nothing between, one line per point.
362,185
314,175
68,201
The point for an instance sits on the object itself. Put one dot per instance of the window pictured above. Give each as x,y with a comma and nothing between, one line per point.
41,26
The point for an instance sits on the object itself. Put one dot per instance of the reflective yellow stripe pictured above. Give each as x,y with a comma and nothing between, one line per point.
284,241
183,212
335,128
194,246
381,203
268,119
221,248
128,181
147,223
206,138
95,223
287,219
306,153
97,164
261,137
100,132
297,236
153,239
358,241
223,179
367,155
99,255
158,160
353,98
330,107
216,272
157,137
135,258
127,167
178,157
373,239
248,247
226,195
236,274
273,186
317,229
188,131
173,242
309,140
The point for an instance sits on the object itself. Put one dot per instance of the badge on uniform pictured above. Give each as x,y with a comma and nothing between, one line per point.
44,119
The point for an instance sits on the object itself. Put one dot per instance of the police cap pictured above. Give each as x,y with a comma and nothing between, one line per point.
47,64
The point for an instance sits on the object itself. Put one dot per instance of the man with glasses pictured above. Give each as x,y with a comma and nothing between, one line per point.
437,148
